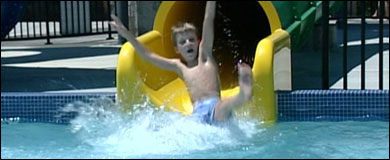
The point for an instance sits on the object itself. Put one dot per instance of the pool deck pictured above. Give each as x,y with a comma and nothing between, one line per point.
88,64
74,64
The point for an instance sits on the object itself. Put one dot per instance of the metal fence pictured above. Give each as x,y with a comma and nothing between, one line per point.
52,19
361,10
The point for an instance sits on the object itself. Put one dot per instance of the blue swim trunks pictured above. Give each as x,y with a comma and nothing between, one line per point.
204,109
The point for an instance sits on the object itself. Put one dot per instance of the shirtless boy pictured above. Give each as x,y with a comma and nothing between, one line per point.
197,67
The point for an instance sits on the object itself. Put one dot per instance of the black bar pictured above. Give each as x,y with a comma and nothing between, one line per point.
54,22
115,6
47,24
28,30
51,37
33,14
325,38
66,17
345,45
21,29
363,45
90,16
73,23
123,16
85,17
109,19
381,10
55,28
33,21
102,17
96,20
59,22
40,23
14,32
350,8
78,16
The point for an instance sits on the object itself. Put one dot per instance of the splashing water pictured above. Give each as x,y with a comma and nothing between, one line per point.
149,130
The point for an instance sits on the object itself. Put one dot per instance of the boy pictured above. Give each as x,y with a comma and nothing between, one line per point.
198,69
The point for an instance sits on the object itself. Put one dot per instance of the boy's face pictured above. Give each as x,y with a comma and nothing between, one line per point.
187,45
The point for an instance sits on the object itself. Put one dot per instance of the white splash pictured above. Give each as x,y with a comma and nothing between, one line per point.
149,130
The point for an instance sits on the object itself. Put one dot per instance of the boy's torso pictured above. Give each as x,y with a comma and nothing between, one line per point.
202,80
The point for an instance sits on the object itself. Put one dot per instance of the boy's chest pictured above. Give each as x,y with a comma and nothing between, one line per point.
201,76
200,71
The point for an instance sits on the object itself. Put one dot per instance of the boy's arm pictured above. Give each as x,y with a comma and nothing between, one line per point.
146,54
206,45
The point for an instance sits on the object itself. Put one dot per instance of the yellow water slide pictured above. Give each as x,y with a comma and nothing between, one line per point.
243,30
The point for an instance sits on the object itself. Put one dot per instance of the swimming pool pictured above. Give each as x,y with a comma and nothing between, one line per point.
312,124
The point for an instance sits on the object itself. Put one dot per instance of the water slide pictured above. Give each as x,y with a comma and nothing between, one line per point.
260,33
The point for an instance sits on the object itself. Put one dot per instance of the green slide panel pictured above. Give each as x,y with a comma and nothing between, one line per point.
299,17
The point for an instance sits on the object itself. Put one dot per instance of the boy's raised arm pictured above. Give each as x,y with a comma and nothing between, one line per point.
146,54
206,45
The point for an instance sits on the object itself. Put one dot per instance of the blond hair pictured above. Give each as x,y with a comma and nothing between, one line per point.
181,28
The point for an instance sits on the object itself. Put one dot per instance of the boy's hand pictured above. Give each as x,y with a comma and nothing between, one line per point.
118,25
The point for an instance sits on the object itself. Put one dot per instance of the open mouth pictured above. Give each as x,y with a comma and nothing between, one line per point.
190,50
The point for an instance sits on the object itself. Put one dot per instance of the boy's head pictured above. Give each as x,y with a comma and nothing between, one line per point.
185,40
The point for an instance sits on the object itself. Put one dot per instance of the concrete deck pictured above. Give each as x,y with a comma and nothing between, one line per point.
76,64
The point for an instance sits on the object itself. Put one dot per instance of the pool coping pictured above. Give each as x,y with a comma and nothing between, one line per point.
298,105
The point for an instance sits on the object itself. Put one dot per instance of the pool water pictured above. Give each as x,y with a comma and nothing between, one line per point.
100,130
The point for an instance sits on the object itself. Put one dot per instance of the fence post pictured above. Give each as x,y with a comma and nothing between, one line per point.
47,24
381,10
109,20
363,45
123,16
345,45
325,45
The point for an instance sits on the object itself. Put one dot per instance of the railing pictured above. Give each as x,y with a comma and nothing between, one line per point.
52,19
345,15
